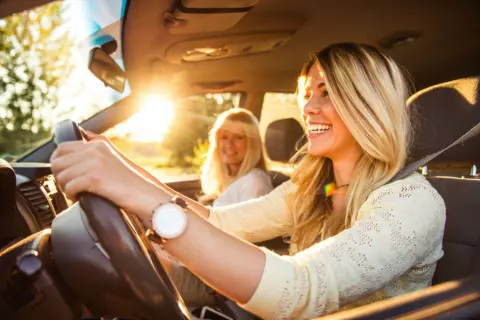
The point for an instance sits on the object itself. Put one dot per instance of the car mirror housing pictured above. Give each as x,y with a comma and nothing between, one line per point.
104,67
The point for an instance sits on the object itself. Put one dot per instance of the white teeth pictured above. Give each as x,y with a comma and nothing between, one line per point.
319,127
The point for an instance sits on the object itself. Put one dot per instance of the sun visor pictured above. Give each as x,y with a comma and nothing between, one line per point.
200,16
226,46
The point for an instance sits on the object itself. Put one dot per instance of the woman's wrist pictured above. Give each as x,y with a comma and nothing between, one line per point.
148,200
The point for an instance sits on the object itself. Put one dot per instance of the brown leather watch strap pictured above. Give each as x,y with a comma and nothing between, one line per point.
182,203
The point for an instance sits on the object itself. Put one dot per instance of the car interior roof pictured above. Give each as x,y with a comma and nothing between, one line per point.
446,46
9,7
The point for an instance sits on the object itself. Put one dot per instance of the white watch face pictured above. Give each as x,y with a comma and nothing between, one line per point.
169,220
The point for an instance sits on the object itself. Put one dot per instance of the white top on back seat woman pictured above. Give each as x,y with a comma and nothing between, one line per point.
355,237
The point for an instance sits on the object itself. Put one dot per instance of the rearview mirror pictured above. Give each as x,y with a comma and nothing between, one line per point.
107,70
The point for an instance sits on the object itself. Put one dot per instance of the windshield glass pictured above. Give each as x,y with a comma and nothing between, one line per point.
43,69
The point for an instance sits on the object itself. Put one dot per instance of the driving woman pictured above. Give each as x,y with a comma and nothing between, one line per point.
356,237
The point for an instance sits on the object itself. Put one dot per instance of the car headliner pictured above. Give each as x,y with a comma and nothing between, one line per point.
447,47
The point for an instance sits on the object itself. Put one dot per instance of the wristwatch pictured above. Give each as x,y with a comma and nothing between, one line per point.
169,220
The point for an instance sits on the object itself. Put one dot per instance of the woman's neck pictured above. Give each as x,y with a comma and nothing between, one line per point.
232,170
343,170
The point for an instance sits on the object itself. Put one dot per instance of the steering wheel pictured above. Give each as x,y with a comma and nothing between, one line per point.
129,250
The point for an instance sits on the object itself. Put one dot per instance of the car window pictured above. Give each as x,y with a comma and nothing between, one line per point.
43,71
277,106
170,138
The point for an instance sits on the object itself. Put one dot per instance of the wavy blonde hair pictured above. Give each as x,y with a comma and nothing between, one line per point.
368,90
215,176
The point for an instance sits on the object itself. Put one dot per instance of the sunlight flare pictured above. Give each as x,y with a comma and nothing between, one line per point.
151,123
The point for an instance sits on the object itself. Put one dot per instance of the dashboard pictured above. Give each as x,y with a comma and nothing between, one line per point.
30,200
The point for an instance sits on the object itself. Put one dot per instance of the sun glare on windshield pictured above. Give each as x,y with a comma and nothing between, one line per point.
151,123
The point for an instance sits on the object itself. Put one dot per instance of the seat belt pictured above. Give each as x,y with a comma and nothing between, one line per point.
412,167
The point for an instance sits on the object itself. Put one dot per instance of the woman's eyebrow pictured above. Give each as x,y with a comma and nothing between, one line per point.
309,88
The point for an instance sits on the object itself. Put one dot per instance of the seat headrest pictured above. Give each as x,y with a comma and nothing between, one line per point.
281,139
443,114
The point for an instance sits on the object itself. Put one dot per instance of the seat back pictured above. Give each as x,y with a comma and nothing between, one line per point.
461,241
282,139
444,113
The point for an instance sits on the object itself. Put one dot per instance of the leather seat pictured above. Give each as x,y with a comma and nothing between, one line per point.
444,113
282,140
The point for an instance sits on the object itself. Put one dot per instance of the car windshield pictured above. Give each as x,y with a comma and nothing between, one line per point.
43,70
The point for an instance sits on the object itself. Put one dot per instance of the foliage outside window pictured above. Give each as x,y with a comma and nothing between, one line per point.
174,138
44,76
33,62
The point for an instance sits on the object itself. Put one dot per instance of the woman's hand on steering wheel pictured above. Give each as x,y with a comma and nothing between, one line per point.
95,167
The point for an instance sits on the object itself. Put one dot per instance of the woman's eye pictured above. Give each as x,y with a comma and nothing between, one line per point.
325,93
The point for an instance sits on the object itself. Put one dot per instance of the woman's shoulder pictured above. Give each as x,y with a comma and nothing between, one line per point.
253,184
414,189
256,175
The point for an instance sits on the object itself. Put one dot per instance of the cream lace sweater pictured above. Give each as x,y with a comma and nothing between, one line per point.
392,249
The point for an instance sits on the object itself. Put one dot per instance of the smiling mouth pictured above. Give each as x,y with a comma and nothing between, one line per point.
318,129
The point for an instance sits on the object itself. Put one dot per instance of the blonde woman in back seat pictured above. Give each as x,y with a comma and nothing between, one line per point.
355,237
235,169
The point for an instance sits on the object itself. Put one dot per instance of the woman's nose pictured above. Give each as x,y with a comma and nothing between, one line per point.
229,143
312,107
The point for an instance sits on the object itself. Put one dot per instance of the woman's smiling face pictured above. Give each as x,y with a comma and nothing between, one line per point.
328,136
232,143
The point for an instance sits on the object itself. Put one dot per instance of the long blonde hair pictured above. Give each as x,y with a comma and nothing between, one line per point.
368,90
215,177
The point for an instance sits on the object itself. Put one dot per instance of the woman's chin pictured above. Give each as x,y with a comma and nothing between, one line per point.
316,150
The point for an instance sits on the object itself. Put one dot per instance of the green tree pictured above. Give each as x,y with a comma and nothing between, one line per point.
35,51
194,117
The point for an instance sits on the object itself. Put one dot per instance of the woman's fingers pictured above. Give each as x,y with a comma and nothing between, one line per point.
70,153
67,148
77,185
77,166
82,150
66,161
70,173
95,167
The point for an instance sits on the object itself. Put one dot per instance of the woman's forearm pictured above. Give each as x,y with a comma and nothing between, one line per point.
232,266
228,264
197,207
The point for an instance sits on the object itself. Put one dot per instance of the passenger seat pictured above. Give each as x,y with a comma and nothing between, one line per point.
444,113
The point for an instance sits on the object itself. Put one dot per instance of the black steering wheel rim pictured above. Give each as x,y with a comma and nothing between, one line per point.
128,248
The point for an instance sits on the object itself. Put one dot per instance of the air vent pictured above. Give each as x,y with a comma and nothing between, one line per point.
39,203
54,195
